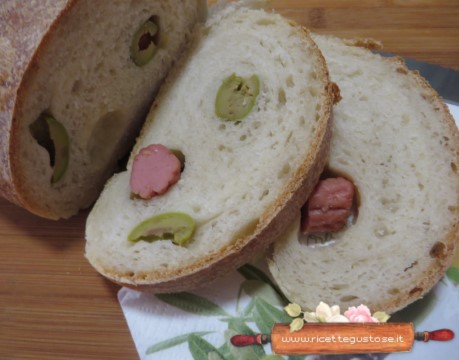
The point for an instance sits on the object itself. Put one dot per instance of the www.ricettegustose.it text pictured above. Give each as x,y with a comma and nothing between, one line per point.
342,339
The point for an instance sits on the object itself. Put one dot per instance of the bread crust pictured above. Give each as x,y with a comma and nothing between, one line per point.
24,32
441,260
271,223
443,252
367,43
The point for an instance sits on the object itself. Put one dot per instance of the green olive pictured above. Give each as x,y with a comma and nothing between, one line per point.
175,226
144,43
51,134
236,97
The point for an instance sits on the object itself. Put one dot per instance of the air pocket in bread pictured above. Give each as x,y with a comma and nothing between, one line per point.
394,139
78,78
248,112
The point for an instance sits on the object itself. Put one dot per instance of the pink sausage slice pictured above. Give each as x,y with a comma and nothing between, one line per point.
328,221
328,207
154,170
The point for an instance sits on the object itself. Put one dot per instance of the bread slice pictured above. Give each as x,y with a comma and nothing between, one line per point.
394,138
72,60
243,180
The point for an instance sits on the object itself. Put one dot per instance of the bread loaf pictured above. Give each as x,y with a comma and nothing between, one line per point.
77,79
394,138
243,179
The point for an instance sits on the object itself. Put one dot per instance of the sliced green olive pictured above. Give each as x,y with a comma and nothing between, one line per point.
175,226
51,134
144,42
236,97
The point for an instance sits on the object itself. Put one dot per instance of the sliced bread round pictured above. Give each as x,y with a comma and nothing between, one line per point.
394,138
76,62
243,180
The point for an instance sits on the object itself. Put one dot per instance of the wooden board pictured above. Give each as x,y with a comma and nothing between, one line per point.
420,29
54,306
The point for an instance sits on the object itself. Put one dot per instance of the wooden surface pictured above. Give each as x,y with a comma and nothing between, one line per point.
54,306
420,29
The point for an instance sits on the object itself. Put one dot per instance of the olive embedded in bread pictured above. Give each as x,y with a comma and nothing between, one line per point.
73,63
145,42
236,97
175,226
243,179
52,135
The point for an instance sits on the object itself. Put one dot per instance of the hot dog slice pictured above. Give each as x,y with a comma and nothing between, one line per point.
154,170
329,206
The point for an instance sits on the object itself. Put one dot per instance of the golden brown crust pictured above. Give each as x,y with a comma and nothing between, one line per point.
273,223
30,31
442,253
370,44
426,280
443,258
24,29
270,225
334,89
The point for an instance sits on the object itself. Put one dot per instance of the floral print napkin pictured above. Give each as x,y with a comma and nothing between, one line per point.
198,325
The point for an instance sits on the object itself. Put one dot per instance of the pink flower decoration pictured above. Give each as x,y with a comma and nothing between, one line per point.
360,314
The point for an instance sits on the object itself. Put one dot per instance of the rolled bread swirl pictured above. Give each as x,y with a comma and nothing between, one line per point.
71,59
244,180
394,138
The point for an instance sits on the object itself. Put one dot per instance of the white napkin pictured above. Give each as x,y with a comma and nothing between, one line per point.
156,323
208,313
153,321
454,109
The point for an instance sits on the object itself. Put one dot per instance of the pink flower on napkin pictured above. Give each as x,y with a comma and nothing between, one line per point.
360,314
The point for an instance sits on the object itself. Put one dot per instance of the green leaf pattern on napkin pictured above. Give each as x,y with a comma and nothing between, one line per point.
192,303
163,345
453,274
264,309
201,349
266,315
